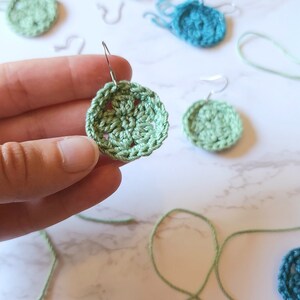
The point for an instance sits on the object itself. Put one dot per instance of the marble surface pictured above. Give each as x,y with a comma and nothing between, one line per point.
253,185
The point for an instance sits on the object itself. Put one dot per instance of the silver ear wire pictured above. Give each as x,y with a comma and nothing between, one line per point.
231,5
166,8
214,78
111,71
3,4
105,11
68,43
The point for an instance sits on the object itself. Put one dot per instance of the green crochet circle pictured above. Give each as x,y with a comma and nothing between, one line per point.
212,125
31,17
127,121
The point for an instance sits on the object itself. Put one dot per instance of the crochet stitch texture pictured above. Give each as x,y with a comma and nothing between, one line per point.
31,17
194,22
127,120
289,276
212,125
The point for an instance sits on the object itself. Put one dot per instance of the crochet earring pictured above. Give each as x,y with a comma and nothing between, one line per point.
125,119
213,125
288,278
31,18
192,21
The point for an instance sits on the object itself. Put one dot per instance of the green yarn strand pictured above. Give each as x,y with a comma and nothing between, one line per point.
237,234
53,253
106,221
152,256
218,249
286,53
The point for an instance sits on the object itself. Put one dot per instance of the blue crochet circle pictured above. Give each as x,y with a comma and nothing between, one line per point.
289,276
198,24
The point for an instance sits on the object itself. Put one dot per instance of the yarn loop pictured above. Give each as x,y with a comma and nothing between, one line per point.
250,62
289,278
212,125
31,17
127,121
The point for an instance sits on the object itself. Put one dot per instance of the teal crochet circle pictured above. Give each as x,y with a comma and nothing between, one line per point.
127,120
198,24
31,17
212,125
289,276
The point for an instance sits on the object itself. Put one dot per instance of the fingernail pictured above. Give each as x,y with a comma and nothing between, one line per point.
78,153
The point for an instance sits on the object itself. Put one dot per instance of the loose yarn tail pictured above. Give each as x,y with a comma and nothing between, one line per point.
292,58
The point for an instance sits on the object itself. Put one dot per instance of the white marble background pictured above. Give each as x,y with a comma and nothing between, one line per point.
253,185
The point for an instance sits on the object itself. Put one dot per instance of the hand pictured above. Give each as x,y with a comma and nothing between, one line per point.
48,168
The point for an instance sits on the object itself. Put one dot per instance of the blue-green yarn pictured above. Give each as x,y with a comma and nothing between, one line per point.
193,22
127,120
289,276
31,17
212,125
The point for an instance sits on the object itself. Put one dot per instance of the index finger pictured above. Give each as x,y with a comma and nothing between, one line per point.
32,84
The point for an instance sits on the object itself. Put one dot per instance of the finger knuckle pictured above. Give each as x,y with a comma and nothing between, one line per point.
14,167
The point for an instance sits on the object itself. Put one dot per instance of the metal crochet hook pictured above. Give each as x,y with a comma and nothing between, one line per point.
213,79
111,71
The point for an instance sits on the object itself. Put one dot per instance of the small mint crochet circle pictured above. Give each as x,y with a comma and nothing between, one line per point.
127,120
31,17
212,125
289,276
198,24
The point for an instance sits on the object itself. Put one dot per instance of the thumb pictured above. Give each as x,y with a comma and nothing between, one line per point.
36,169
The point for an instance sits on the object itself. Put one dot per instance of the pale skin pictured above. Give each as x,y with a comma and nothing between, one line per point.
49,169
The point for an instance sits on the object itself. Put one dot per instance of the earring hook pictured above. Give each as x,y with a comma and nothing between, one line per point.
213,79
3,4
111,72
165,7
105,12
232,5
69,41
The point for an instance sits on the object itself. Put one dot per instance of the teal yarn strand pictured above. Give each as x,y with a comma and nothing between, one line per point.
53,253
31,18
192,21
219,249
277,45
289,276
212,125
127,121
